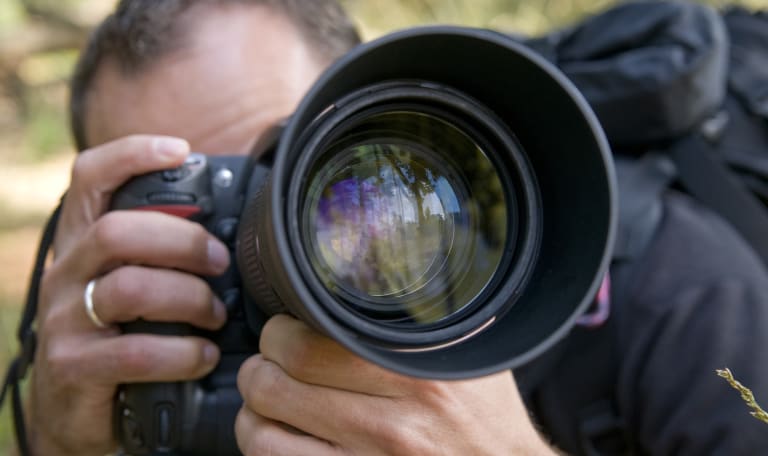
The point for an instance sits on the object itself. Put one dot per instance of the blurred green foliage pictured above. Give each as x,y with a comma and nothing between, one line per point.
9,317
520,16
39,40
10,14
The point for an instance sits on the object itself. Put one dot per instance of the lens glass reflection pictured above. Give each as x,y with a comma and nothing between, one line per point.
405,220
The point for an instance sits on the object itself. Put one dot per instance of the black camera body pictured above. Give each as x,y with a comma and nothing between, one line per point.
195,417
441,203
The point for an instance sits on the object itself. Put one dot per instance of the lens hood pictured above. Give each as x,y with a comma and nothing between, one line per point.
568,220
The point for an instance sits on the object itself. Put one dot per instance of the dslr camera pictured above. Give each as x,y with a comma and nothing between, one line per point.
442,203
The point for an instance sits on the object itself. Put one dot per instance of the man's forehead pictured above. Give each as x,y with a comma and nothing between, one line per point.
235,76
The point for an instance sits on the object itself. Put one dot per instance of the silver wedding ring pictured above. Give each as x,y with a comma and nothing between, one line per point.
88,299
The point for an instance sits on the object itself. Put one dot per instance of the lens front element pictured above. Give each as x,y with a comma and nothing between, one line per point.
405,219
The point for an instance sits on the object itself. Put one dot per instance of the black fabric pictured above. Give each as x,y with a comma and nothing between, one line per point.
686,315
641,183
651,70
703,172
749,38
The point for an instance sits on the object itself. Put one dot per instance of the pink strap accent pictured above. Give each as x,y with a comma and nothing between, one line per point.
599,312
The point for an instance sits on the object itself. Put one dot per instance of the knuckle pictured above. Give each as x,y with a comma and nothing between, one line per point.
390,436
403,437
434,395
260,443
301,360
263,385
56,287
135,358
55,318
245,372
108,231
62,363
135,143
81,168
299,355
253,439
127,284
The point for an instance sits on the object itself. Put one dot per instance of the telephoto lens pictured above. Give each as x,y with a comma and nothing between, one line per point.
441,203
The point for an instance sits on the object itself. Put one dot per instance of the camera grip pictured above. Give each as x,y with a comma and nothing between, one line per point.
164,418
146,416
192,417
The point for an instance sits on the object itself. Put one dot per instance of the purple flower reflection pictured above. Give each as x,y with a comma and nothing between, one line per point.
348,221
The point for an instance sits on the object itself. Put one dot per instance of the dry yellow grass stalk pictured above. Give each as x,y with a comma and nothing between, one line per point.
746,394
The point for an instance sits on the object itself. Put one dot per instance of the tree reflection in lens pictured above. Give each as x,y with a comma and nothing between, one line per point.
405,218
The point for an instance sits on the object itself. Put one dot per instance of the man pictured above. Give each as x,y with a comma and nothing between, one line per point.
158,79
162,77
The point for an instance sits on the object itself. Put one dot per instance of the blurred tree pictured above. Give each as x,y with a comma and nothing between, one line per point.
38,43
519,16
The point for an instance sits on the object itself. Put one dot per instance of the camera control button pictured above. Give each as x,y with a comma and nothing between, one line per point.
171,198
132,433
164,425
224,178
226,229
231,300
195,160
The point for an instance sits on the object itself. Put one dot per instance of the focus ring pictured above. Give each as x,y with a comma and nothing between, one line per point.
250,255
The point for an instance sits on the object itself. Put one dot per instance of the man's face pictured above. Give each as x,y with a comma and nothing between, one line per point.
242,69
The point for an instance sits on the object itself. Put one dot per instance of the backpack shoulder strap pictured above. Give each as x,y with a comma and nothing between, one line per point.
699,166
600,426
748,75
570,389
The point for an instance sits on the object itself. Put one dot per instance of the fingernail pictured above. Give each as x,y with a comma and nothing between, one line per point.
219,310
171,149
210,354
218,255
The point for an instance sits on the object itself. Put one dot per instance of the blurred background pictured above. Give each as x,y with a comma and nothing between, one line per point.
39,41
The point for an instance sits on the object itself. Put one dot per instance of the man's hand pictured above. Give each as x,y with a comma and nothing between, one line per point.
307,395
146,265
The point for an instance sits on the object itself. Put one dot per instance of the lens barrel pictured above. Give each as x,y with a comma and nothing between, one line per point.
442,203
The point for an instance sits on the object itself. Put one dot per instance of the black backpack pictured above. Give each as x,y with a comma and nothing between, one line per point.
682,93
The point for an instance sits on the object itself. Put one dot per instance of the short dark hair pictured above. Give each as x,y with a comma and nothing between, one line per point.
139,32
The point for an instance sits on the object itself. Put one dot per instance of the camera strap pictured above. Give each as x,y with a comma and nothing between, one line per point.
19,366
